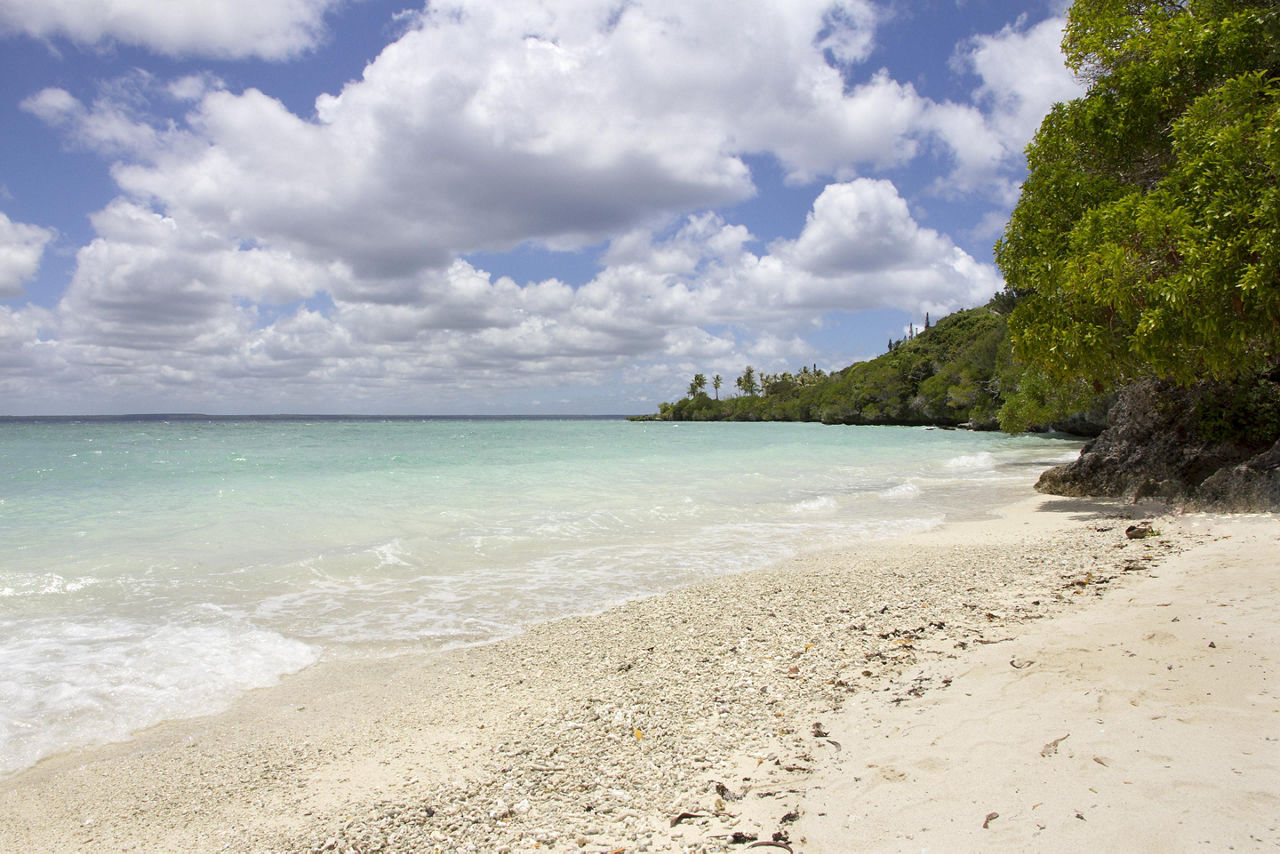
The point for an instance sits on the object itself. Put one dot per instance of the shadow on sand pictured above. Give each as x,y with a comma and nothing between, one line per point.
1100,509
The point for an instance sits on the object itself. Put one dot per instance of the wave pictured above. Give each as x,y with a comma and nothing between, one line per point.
72,684
814,505
45,584
972,462
902,490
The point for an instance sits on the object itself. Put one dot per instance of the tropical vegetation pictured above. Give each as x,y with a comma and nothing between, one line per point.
1145,247
947,374
1146,242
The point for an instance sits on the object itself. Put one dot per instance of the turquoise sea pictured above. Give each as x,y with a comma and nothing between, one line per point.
155,569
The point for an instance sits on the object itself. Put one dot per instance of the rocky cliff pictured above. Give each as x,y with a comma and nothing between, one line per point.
1203,447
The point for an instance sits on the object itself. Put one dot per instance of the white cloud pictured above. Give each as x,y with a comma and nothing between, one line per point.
225,29
559,123
251,244
1022,76
21,247
111,126
19,333
863,227
163,309
148,283
861,249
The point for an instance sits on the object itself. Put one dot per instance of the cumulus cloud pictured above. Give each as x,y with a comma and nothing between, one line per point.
148,283
558,123
185,309
21,247
863,226
227,29
1022,75
252,244
110,127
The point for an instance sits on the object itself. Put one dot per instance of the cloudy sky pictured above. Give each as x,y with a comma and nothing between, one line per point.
493,206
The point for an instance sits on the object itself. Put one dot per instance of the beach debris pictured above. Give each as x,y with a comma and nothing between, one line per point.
1101,761
991,816
780,845
794,815
1018,665
1051,748
725,792
1140,531
819,732
685,816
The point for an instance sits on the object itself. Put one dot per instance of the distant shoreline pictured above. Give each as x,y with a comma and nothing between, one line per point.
147,417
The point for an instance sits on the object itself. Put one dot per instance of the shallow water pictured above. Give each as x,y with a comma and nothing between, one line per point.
155,570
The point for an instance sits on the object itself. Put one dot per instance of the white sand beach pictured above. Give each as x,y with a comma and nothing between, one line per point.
1036,681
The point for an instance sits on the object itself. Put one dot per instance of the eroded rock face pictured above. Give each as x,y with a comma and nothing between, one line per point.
1250,487
1154,448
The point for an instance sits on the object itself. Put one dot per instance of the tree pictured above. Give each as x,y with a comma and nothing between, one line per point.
716,382
747,382
699,384
1146,241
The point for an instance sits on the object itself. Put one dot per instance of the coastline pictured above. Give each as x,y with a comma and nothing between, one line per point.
703,719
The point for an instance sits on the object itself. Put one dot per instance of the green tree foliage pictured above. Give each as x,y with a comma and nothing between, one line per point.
1146,241
698,385
947,374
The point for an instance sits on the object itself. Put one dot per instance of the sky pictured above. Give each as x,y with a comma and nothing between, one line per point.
493,206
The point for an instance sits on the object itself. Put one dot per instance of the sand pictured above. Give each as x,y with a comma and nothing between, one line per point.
1036,681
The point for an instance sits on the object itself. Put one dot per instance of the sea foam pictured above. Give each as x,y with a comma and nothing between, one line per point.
79,683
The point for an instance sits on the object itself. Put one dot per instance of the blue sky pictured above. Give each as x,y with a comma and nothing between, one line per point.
527,206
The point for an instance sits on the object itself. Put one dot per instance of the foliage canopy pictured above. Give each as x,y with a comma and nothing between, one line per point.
1146,242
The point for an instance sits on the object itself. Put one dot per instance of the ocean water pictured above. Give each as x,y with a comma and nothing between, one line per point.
155,570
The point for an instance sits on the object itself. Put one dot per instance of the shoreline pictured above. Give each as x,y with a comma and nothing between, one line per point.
701,719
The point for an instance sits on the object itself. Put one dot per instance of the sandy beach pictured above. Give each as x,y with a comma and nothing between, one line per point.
1035,681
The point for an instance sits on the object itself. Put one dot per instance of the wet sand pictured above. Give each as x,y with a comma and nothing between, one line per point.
1036,681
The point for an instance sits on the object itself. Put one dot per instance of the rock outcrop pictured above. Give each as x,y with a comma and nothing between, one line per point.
1156,447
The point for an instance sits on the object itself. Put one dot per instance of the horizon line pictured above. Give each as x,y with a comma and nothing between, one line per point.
300,416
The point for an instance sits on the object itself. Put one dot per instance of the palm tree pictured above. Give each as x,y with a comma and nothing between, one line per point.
716,382
699,383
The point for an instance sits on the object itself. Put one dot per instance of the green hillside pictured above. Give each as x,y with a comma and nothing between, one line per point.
946,375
